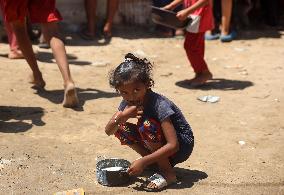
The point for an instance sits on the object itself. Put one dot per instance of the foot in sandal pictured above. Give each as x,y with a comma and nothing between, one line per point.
157,183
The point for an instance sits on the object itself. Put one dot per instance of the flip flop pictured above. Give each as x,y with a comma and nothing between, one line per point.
210,37
159,181
229,37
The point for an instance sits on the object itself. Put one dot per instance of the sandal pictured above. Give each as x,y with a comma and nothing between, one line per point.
229,37
210,37
159,181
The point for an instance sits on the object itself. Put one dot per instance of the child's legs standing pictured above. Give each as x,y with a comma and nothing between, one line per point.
112,6
226,16
51,35
15,12
194,46
90,8
44,12
25,45
15,53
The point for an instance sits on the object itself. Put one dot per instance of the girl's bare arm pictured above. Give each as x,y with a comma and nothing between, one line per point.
121,117
112,125
183,14
171,146
173,4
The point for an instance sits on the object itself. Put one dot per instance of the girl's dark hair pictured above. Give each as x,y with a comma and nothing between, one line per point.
133,69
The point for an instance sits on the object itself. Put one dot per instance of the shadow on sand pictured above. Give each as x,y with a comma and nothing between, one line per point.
14,119
56,96
218,84
47,57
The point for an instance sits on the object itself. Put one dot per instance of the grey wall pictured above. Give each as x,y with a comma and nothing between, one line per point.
129,12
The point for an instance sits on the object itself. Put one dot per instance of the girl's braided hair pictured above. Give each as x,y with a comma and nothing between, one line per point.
133,69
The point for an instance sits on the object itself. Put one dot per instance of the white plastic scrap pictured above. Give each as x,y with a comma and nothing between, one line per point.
209,98
242,142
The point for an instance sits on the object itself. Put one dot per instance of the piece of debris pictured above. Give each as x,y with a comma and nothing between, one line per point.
100,63
242,143
78,191
209,98
166,75
240,49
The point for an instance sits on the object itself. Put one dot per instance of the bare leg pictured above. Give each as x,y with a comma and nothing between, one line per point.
51,34
139,149
164,166
112,6
226,16
25,45
90,7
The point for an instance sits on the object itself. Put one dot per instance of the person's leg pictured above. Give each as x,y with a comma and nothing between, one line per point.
214,34
164,165
89,32
51,35
194,46
19,27
112,6
90,8
15,52
226,16
42,43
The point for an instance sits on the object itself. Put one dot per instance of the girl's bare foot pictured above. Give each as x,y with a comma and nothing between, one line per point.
107,30
15,54
37,81
201,78
70,96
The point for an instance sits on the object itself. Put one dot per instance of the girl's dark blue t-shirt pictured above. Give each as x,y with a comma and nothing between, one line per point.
159,108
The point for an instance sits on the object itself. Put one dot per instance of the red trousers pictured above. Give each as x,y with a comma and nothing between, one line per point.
194,46
39,11
10,33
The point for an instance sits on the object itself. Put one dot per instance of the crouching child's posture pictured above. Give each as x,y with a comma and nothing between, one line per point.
161,136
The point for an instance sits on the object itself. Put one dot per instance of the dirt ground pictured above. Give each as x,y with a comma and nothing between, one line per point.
45,148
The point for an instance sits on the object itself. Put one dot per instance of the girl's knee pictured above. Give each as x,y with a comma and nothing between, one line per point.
127,134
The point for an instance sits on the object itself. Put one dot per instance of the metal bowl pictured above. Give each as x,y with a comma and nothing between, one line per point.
112,172
168,18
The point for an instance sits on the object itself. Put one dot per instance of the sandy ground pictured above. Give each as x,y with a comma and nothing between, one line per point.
45,148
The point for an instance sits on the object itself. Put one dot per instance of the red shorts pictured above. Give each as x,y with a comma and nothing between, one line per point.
147,130
39,11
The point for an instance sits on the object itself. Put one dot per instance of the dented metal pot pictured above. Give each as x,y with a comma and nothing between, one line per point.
112,172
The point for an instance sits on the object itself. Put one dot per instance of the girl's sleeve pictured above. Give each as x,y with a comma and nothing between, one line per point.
164,110
122,105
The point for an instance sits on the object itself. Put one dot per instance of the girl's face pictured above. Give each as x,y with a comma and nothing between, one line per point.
133,93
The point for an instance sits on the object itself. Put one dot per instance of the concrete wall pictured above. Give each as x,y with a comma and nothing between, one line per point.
135,12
